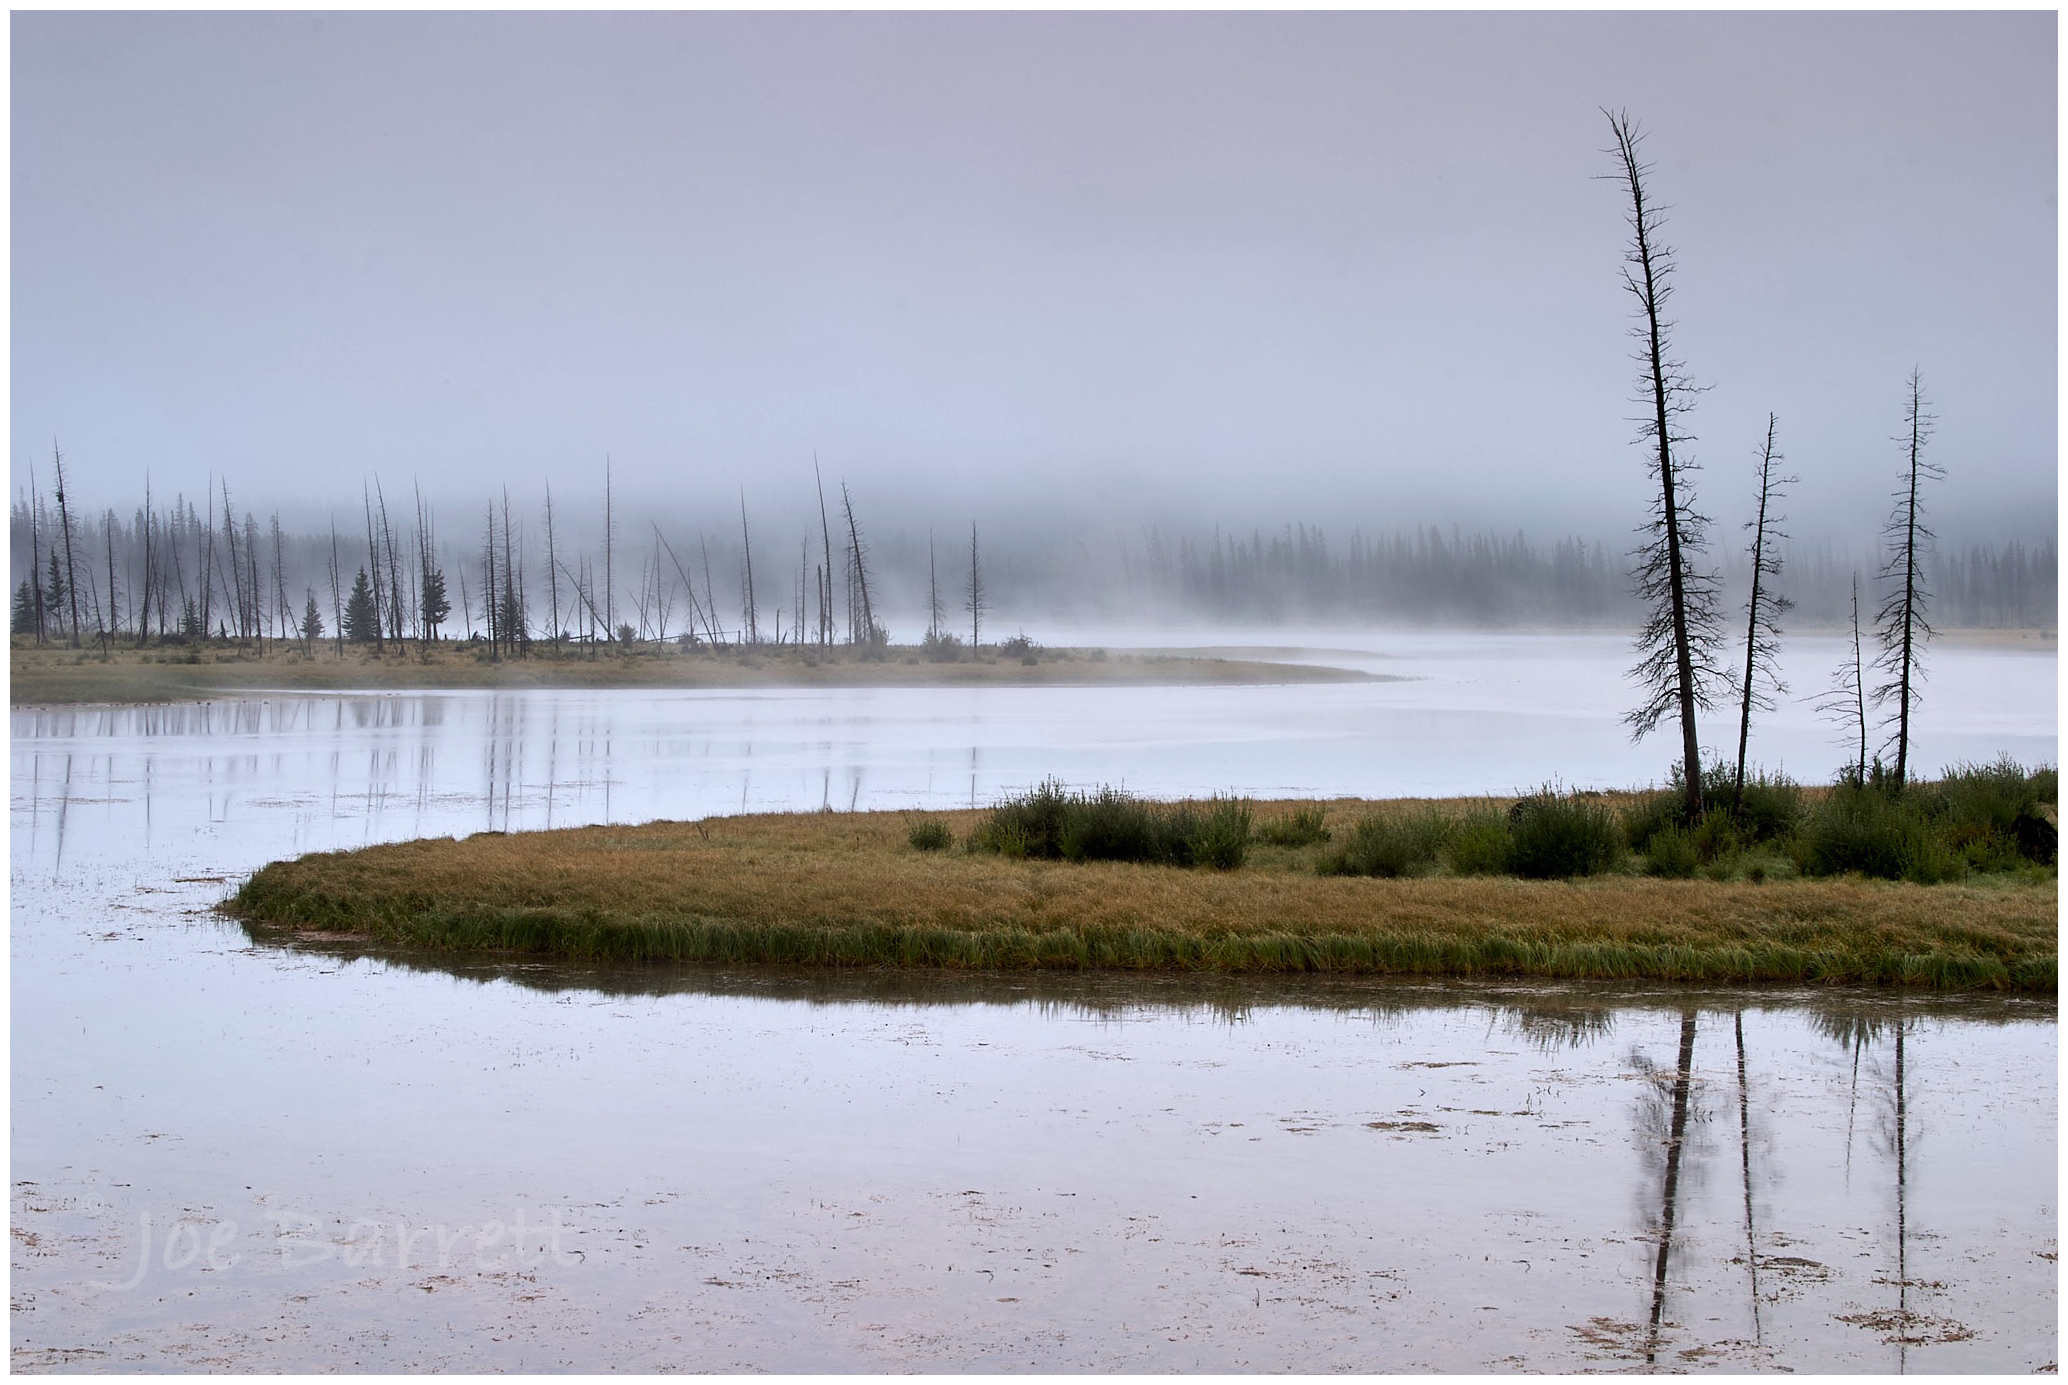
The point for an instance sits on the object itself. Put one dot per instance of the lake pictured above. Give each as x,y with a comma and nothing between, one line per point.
230,1156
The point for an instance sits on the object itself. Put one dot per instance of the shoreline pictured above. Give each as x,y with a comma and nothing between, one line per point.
52,677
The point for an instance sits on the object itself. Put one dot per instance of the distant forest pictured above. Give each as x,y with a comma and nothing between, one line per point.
1455,578
218,570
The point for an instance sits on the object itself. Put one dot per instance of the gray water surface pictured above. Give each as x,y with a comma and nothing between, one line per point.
239,1156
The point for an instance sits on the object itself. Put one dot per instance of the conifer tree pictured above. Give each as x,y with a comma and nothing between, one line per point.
1901,627
1678,641
362,616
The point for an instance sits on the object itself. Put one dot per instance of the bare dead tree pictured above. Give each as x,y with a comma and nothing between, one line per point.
1762,681
337,605
933,593
870,634
1846,700
488,588
609,631
1677,644
64,524
515,636
1901,627
239,600
710,592
143,620
976,603
826,583
373,560
395,599
36,553
753,630
553,567
114,596
696,607
282,608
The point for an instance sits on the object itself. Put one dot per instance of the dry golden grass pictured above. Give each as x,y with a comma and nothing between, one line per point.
848,889
55,674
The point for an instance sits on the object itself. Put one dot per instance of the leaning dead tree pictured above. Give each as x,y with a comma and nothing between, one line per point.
1678,641
1762,681
1901,627
867,632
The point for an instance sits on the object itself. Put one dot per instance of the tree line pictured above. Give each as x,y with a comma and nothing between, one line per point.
189,572
501,589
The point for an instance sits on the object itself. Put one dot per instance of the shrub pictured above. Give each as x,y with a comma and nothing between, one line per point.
1388,845
931,834
1652,814
1217,835
1870,830
1479,843
1021,648
940,647
1055,823
1772,807
1301,827
1555,835
1672,852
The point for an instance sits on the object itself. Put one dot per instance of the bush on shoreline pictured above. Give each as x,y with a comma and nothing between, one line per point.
1053,823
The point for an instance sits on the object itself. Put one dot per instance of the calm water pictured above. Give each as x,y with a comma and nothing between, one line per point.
228,1156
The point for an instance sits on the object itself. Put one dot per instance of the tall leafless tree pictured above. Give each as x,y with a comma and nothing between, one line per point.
1762,681
933,593
1901,626
1678,642
870,634
553,568
36,553
64,524
1846,701
826,573
609,631
976,602
752,634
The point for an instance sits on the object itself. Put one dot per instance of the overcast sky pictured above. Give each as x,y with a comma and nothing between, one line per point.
1353,268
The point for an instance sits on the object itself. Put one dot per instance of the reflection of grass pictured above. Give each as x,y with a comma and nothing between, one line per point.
850,890
168,674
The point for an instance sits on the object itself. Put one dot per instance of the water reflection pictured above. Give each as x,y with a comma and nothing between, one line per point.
821,1171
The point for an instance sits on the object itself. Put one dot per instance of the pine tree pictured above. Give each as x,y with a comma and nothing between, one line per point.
56,591
24,619
362,617
437,606
312,620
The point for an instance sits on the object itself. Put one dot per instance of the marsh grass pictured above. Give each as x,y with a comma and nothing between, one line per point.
930,834
1303,826
845,889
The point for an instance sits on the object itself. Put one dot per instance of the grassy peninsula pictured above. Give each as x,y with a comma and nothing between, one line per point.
1227,885
57,674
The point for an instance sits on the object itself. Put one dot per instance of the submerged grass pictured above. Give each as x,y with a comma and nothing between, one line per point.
854,890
